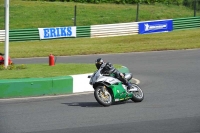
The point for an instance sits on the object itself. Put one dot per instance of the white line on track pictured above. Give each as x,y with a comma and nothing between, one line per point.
136,81
45,97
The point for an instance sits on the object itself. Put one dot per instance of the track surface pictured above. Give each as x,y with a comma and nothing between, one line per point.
169,80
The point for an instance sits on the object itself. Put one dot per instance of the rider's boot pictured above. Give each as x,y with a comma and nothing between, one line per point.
129,86
125,81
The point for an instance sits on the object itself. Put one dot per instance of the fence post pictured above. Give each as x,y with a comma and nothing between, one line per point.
75,15
195,7
137,13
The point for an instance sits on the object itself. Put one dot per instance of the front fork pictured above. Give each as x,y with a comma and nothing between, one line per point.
105,91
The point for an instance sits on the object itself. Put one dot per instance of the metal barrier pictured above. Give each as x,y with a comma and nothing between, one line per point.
120,29
24,34
33,34
83,31
105,30
186,23
2,35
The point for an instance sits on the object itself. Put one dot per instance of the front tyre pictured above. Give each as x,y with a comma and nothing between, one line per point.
103,96
138,95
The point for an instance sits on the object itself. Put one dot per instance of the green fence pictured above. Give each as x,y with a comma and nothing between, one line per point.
33,34
186,23
24,34
83,31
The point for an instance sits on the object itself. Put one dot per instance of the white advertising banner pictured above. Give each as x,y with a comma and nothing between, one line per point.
57,32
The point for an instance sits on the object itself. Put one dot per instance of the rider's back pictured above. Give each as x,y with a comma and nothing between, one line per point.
108,68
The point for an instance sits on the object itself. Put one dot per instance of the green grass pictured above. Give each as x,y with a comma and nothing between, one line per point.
39,14
32,14
176,40
44,70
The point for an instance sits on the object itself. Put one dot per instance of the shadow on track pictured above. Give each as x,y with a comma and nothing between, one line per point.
93,104
84,104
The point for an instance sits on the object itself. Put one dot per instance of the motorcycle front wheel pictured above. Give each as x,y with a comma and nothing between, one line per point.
138,95
103,97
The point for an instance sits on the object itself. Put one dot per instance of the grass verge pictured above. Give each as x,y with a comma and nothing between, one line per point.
184,39
43,70
176,40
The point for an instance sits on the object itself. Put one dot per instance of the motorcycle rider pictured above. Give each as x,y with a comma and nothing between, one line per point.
108,68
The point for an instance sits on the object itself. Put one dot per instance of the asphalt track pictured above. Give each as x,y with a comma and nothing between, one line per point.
170,82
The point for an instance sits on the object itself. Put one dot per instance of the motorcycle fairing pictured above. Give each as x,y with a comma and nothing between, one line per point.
107,79
119,92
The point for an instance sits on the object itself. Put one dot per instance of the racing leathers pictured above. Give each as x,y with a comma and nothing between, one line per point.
108,68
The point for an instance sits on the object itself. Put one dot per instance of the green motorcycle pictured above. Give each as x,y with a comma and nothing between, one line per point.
108,90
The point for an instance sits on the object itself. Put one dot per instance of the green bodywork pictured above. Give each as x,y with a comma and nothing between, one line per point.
119,93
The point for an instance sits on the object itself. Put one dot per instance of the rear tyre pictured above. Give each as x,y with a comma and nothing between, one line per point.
103,98
138,95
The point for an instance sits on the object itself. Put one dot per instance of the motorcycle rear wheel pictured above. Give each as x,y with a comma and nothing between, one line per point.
138,96
102,99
